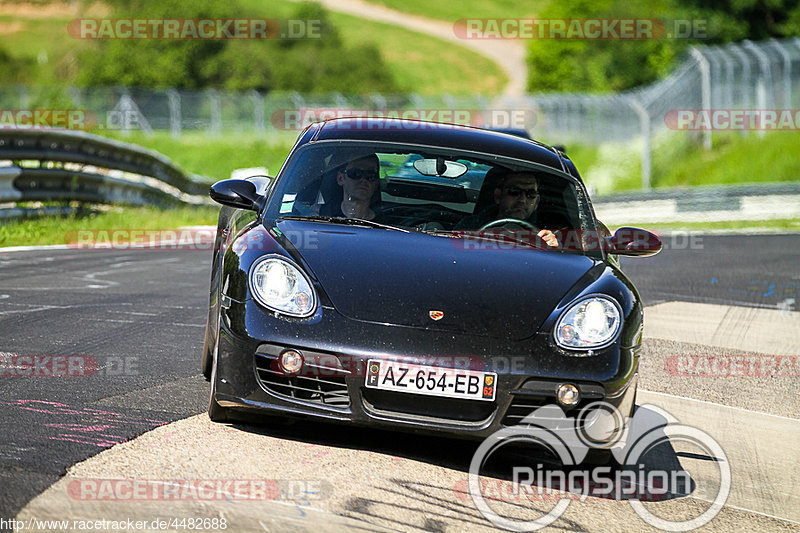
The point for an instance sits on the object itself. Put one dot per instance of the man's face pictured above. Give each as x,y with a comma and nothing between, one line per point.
355,183
517,197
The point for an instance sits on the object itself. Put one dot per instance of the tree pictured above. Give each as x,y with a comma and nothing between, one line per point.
307,65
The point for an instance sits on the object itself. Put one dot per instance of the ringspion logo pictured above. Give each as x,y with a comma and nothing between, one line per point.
569,440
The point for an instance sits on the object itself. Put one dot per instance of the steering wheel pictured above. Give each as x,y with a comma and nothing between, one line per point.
509,221
536,241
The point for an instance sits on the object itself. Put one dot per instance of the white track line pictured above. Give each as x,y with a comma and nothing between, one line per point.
719,405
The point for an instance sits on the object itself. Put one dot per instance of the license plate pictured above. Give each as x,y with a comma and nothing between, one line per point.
432,381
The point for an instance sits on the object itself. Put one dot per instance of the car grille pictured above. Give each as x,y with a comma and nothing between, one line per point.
321,382
521,407
417,405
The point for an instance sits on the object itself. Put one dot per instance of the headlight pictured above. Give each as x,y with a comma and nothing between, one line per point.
279,285
590,323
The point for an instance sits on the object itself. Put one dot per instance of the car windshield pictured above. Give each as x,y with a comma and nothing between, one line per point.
435,190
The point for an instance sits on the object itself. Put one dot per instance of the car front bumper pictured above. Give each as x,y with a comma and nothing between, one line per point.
528,373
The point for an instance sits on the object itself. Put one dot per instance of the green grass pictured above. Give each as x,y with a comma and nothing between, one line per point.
216,157
63,230
32,39
452,11
735,158
423,64
678,160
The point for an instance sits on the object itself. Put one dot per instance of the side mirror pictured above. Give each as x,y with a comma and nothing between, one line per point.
634,242
244,194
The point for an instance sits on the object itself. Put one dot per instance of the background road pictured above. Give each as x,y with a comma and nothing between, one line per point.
139,315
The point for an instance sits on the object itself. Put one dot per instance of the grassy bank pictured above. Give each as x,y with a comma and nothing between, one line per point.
678,160
63,230
430,67
216,157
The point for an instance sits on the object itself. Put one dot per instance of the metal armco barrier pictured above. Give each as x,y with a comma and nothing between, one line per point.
702,204
49,166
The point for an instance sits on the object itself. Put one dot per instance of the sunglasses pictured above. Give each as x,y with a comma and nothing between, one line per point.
516,191
361,174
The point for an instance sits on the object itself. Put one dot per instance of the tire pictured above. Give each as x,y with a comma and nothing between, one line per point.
216,412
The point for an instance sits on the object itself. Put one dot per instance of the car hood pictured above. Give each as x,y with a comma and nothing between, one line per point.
399,278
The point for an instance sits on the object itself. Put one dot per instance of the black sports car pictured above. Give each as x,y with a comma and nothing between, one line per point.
365,285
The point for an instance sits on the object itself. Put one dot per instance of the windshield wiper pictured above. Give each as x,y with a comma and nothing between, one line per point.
344,221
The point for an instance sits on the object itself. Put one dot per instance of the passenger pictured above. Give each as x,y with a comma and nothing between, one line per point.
515,196
359,182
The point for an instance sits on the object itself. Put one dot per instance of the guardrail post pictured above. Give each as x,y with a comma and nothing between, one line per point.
74,96
705,89
378,100
644,121
339,101
745,77
174,101
9,193
787,73
215,127
297,100
258,111
765,98
126,115
729,73
24,98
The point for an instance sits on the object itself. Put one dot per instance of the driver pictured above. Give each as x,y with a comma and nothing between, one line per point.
516,196
359,182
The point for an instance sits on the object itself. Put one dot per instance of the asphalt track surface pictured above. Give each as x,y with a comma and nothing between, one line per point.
135,319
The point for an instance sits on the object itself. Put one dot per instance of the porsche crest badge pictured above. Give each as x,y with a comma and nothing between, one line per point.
436,315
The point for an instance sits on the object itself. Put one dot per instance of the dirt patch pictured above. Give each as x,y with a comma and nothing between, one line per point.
10,27
52,9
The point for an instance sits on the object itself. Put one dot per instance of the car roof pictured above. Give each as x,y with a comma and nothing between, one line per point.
437,134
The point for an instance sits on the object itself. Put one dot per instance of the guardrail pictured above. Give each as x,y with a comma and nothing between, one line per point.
702,204
52,166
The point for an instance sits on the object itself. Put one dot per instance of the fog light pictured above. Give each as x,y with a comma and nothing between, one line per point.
290,361
568,394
